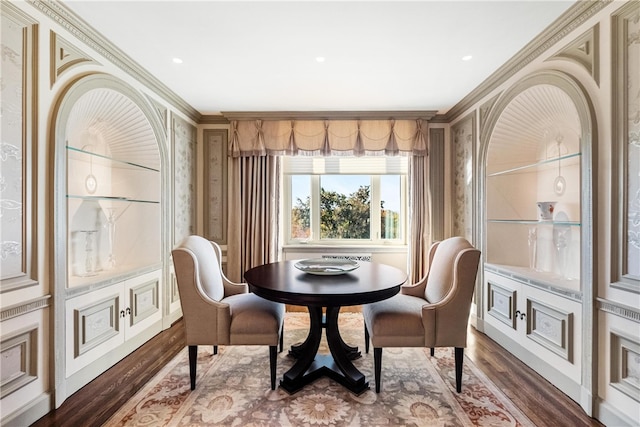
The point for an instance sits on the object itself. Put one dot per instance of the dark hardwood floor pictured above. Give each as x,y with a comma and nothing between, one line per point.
544,404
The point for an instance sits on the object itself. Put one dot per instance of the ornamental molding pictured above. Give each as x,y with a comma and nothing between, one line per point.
566,23
74,25
160,110
574,17
65,56
584,51
25,307
485,109
621,310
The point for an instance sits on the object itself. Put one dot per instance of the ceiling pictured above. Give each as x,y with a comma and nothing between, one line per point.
247,56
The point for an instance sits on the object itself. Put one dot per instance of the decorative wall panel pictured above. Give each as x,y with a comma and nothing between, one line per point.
550,328
463,134
215,185
18,41
184,179
585,50
625,364
65,56
626,138
18,360
436,183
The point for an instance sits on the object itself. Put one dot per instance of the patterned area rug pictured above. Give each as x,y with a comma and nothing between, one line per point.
233,389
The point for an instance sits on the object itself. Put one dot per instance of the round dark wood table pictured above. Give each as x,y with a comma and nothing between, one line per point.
283,282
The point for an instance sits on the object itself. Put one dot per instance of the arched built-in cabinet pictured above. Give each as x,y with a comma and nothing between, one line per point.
109,247
536,167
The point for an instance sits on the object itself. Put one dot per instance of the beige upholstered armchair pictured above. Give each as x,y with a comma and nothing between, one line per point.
431,313
217,311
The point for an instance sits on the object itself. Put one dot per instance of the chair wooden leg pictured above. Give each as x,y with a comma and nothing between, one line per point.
193,358
366,339
215,350
281,338
459,357
273,357
377,366
433,351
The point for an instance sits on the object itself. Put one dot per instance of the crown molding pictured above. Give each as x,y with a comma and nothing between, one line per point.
83,32
575,16
330,115
439,118
213,119
567,22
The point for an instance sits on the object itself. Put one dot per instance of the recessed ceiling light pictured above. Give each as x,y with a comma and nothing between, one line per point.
177,61
319,58
467,58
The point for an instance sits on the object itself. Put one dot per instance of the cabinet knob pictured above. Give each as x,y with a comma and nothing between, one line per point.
128,310
121,313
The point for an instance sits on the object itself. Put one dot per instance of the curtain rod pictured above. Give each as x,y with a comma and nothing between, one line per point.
330,115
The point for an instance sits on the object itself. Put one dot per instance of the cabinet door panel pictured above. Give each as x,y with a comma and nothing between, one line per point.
551,328
502,303
143,304
94,326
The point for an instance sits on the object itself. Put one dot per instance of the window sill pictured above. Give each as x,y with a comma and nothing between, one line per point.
317,248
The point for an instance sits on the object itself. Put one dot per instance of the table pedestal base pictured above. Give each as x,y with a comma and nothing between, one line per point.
310,366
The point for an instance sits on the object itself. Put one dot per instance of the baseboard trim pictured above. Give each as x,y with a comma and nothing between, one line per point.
87,374
550,373
610,416
29,413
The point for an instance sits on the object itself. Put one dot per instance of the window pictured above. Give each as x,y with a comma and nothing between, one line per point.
345,200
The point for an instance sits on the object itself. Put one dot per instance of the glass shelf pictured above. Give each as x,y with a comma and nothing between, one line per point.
535,165
534,222
108,161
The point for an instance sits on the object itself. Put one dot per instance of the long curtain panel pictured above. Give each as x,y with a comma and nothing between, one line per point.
419,217
253,213
254,164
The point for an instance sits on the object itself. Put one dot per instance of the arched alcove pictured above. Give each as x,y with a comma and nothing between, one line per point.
535,185
533,160
109,231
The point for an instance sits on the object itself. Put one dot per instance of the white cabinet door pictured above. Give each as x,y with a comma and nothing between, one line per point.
545,326
143,296
98,322
93,326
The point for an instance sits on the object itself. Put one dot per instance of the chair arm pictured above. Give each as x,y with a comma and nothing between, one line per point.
416,289
447,320
429,324
231,288
207,322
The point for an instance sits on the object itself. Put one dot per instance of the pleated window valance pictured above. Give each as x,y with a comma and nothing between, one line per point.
328,137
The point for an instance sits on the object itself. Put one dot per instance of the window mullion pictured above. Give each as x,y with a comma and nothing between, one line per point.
405,209
375,208
315,208
287,209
